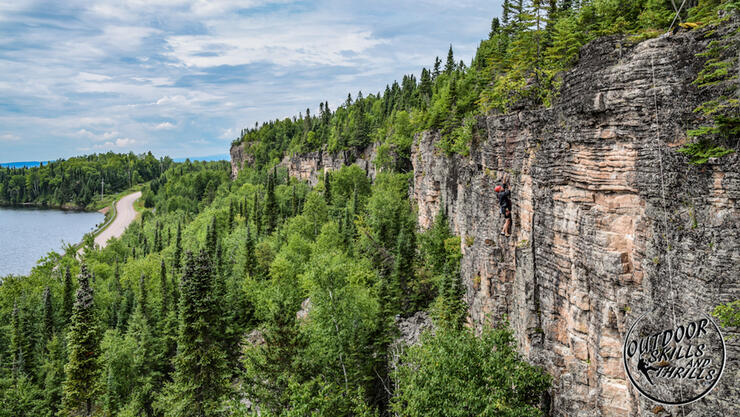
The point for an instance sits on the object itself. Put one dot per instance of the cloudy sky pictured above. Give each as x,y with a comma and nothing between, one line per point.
182,77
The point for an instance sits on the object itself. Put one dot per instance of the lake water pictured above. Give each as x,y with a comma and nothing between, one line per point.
27,235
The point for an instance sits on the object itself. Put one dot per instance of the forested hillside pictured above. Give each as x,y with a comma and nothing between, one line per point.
261,294
77,181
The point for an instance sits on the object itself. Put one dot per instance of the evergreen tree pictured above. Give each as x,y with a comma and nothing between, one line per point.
249,258
53,376
212,238
256,215
81,390
270,214
437,64
450,64
327,188
163,290
18,347
145,364
231,214
48,324
495,28
67,296
293,203
201,375
178,249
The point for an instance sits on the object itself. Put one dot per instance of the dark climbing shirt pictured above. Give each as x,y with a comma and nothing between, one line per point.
503,199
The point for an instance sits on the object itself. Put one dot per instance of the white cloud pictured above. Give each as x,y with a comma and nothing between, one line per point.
9,137
164,126
122,142
227,134
280,43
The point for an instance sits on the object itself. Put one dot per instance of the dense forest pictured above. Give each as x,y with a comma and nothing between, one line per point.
77,182
229,297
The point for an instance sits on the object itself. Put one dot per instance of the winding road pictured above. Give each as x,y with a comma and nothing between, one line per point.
125,214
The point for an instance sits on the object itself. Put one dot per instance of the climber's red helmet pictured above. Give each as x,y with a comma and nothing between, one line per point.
498,189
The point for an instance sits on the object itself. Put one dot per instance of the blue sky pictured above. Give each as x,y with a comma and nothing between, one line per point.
183,77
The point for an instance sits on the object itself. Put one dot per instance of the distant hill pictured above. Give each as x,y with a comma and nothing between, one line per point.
219,157
27,164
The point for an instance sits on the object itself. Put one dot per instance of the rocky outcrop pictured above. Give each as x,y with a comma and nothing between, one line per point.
239,157
311,166
608,220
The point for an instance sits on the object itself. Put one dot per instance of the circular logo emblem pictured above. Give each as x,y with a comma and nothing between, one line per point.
674,357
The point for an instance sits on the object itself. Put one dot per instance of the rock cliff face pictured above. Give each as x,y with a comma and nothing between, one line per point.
239,157
311,166
608,221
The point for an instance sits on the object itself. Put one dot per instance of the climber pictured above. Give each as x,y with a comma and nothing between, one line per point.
504,202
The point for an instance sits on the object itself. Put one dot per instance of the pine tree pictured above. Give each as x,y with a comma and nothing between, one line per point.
67,296
18,349
53,376
437,64
201,374
450,64
82,369
506,12
293,203
256,214
270,213
145,365
48,317
327,188
212,238
249,258
163,291
115,305
231,214
178,249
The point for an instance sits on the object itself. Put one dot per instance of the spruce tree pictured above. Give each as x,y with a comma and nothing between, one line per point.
17,344
437,64
256,215
450,64
201,374
231,214
145,365
53,376
327,187
212,238
67,296
48,317
249,258
163,290
178,249
293,203
81,392
270,213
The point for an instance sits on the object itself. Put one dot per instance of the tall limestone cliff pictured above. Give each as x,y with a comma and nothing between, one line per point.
608,219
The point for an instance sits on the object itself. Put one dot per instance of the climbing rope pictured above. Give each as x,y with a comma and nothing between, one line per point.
662,193
678,12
